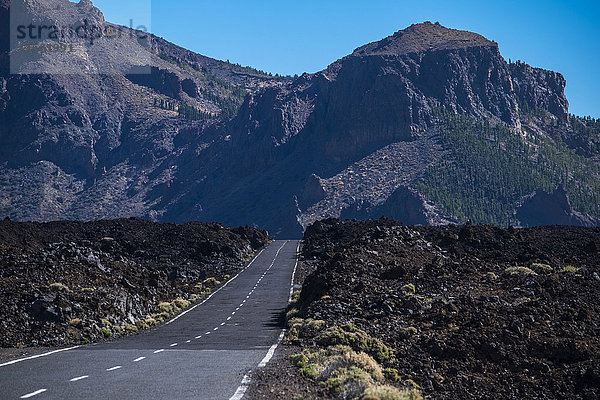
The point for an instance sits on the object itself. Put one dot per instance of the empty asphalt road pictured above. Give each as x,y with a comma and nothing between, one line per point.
205,353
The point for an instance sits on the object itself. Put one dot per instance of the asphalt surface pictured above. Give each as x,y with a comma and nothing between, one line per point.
205,353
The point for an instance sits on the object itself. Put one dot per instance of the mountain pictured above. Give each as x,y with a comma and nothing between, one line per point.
430,125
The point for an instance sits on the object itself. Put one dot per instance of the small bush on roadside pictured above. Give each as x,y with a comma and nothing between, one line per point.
165,307
386,392
358,340
180,303
348,382
391,374
211,282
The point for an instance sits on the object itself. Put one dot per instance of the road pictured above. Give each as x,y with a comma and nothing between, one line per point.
205,353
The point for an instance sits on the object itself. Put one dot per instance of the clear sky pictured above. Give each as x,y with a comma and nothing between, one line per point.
292,37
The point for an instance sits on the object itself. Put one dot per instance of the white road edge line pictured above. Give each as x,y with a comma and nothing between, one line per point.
271,351
241,390
79,378
26,396
216,291
37,356
114,368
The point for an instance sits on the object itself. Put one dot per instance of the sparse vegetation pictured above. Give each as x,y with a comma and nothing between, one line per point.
409,289
181,304
387,392
75,322
358,340
569,269
410,331
211,282
59,287
542,268
519,271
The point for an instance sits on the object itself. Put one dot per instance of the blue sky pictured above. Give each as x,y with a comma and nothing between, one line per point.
294,37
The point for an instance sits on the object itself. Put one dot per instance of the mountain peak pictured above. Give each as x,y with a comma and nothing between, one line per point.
420,38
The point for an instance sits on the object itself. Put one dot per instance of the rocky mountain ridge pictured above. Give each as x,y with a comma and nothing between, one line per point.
200,139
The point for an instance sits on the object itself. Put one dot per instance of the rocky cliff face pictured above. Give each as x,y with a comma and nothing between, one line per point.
291,152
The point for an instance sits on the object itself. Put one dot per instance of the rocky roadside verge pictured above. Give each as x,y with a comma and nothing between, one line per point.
456,312
64,283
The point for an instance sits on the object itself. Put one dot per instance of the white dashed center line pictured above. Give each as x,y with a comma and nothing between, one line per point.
26,396
222,323
207,333
139,359
216,328
188,341
113,368
79,378
228,318
173,344
159,351
198,337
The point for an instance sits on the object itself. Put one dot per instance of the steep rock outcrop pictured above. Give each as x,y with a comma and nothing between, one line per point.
404,204
539,89
542,208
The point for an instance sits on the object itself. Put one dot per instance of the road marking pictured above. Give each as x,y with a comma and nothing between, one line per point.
222,323
228,318
216,291
37,356
114,368
271,351
159,351
294,273
188,341
173,345
79,378
26,396
216,328
241,390
207,333
139,359
198,337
